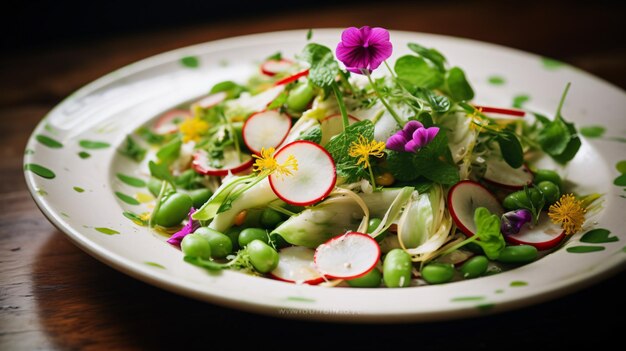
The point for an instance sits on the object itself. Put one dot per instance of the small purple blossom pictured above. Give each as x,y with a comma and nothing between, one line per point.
189,228
412,137
363,49
513,221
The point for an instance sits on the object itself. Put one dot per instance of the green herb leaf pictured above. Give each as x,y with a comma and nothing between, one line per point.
324,68
133,150
314,135
416,71
278,101
160,171
511,149
458,86
432,55
488,232
438,103
170,151
277,56
309,34
339,147
232,89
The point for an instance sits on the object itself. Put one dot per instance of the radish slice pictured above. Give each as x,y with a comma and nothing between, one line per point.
273,67
293,77
464,198
347,256
501,174
231,163
314,179
296,265
333,125
169,121
211,100
545,235
265,129
501,111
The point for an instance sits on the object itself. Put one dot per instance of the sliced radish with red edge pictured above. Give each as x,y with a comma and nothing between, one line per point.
273,67
231,163
296,265
170,121
463,200
501,174
265,129
500,111
315,178
545,235
333,125
293,77
211,100
347,256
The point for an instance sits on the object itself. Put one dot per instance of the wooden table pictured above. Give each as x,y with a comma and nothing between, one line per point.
54,296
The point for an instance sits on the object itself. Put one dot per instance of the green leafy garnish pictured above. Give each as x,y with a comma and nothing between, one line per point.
511,149
432,55
487,236
161,171
324,69
339,149
232,89
458,87
314,135
169,152
133,150
416,71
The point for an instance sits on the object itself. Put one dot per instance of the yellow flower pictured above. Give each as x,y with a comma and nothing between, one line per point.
268,164
193,128
569,213
363,149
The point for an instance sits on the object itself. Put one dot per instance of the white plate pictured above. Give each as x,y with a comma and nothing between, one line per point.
111,107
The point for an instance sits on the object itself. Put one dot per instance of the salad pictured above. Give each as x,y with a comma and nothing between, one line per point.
312,172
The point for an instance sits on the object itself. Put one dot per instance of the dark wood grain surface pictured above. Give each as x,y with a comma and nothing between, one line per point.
54,296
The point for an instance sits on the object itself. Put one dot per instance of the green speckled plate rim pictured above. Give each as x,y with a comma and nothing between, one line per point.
147,273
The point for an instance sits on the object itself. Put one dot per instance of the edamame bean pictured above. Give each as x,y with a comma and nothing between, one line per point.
200,196
474,267
262,256
221,246
371,279
194,245
174,208
233,234
249,234
518,254
299,97
270,218
549,175
550,191
372,225
438,273
397,269
519,199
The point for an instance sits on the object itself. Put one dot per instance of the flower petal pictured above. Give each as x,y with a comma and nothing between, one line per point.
410,127
396,142
378,35
431,133
411,146
189,228
379,53
351,37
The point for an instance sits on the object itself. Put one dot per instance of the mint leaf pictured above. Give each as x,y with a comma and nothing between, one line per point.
416,71
324,68
439,171
339,147
488,233
458,86
438,103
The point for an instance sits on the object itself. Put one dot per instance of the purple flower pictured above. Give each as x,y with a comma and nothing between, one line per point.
513,221
412,137
363,49
189,228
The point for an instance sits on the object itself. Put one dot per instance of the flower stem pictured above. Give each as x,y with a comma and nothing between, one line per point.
342,105
389,108
372,177
459,245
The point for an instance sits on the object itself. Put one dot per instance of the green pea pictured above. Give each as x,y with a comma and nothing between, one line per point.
249,234
372,225
270,218
262,256
299,97
474,267
397,269
371,279
550,191
549,175
438,273
154,185
233,234
200,196
518,254
221,246
519,199
174,208
194,245
185,179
